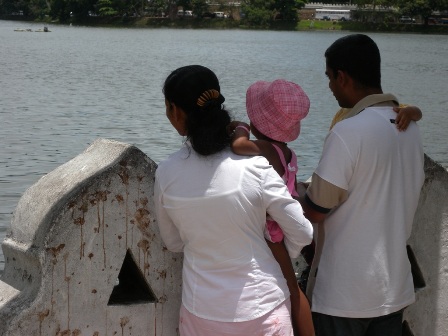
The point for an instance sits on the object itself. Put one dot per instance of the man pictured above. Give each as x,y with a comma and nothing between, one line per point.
366,187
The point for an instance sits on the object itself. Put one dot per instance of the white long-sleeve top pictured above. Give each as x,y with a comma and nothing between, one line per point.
214,210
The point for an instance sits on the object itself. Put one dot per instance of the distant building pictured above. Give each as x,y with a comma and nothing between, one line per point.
321,11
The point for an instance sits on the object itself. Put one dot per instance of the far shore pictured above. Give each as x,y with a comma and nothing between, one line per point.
192,23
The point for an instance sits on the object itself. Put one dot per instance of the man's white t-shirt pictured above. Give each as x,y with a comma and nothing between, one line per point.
364,269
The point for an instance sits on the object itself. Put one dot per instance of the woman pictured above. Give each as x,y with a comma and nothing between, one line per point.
211,204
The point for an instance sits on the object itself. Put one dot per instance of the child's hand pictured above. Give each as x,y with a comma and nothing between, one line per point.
405,115
301,187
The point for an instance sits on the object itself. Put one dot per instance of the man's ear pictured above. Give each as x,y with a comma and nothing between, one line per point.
342,77
345,80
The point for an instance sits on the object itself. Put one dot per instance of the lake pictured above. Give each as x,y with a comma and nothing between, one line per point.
60,91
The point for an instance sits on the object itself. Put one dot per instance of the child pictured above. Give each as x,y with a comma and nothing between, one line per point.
275,110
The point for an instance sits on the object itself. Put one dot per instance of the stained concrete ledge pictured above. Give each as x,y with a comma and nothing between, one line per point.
84,256
428,245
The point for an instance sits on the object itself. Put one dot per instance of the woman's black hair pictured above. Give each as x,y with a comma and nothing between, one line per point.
207,118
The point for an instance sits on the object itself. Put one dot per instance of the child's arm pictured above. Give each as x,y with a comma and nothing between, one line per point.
241,145
406,114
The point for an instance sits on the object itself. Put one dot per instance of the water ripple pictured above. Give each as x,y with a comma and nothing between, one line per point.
61,91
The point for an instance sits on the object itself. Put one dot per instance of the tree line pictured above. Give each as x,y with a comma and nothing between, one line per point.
255,12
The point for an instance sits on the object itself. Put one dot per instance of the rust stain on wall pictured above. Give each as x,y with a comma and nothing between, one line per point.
42,316
124,176
67,279
144,245
64,333
99,198
124,173
162,274
142,218
54,251
80,221
162,299
123,321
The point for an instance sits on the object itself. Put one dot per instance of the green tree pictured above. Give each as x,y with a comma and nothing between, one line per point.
416,7
39,8
171,8
287,9
63,10
199,7
60,9
424,8
185,4
118,7
261,13
374,3
8,6
81,8
258,12
107,8
157,7
14,6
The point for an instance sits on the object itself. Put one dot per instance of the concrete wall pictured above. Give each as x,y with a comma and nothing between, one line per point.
428,244
71,235
84,256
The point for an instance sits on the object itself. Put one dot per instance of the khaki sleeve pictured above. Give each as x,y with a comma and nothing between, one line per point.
324,195
340,115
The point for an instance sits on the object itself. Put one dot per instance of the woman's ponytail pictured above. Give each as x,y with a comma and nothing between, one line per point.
196,90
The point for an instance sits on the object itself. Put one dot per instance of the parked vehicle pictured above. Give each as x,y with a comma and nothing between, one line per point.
186,13
220,15
332,14
407,19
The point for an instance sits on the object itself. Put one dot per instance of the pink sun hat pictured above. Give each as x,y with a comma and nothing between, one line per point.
276,108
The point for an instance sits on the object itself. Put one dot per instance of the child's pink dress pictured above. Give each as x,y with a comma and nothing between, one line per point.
273,232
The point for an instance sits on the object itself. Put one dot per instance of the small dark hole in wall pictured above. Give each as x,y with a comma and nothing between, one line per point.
406,330
417,275
131,285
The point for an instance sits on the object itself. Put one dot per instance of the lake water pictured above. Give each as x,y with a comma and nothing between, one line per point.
59,91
